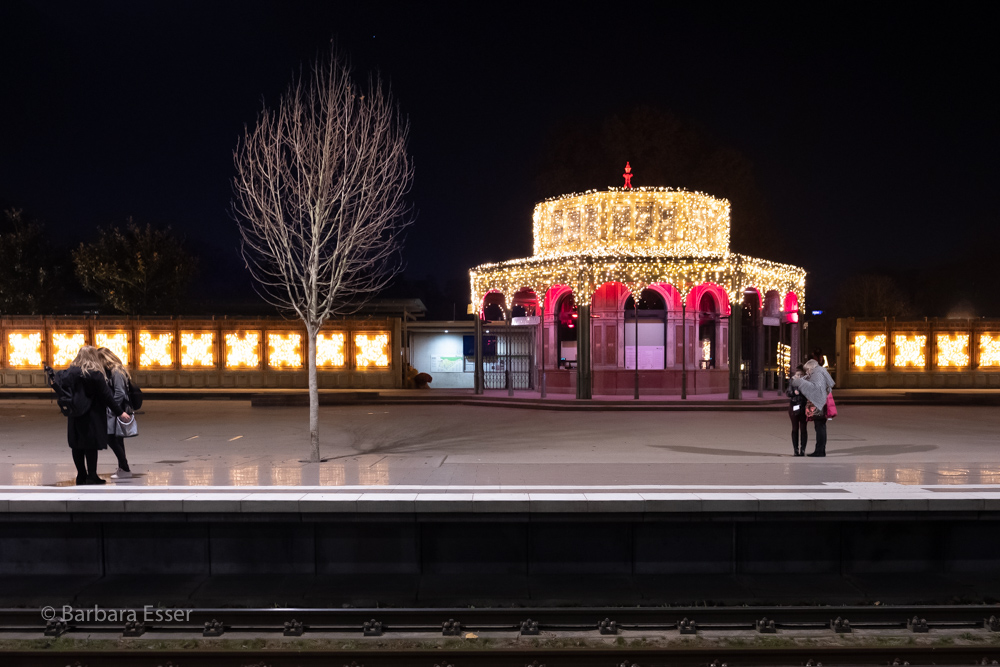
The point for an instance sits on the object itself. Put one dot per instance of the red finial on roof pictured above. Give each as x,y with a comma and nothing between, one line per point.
628,176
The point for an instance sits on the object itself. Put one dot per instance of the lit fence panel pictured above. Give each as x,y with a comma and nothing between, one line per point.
65,347
284,350
197,349
155,350
371,350
952,350
910,351
869,351
116,341
243,350
330,350
24,350
989,350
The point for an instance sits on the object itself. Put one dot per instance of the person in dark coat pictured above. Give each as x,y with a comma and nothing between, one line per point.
797,413
88,433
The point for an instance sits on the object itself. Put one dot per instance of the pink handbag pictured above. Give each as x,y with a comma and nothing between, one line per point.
831,407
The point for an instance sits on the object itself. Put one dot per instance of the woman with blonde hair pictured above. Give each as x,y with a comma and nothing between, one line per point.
87,434
118,378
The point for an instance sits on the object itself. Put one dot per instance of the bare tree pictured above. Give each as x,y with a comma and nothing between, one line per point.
319,197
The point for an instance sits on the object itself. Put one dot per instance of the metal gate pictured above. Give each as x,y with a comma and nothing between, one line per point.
750,367
509,358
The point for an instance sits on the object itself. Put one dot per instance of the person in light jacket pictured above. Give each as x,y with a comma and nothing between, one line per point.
816,386
118,379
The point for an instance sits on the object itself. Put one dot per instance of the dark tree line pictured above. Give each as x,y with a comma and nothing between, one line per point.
135,269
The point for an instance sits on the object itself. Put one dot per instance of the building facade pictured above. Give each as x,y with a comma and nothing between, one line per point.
698,304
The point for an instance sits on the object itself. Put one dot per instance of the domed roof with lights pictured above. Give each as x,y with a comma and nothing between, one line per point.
644,221
637,237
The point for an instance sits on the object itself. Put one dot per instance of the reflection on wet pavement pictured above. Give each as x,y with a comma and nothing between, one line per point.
375,471
239,446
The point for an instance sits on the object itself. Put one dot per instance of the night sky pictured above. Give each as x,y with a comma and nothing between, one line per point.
873,132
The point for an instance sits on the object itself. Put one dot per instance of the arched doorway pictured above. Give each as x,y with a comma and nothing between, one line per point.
645,321
494,307
708,323
524,303
566,321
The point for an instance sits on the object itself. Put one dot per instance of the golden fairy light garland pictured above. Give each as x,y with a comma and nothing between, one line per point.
585,273
638,238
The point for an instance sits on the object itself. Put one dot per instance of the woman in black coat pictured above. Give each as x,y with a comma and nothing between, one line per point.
88,433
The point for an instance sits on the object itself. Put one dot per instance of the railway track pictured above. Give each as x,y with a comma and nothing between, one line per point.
522,637
455,621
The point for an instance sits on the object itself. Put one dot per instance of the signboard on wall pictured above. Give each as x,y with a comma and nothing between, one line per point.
440,364
650,357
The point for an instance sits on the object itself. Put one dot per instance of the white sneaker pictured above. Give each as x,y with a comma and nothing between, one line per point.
121,474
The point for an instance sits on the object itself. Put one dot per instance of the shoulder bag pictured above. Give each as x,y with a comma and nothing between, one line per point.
128,429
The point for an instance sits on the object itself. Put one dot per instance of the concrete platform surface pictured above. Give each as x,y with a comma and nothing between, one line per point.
476,451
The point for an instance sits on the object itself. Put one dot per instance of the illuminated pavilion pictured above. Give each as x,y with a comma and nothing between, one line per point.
593,251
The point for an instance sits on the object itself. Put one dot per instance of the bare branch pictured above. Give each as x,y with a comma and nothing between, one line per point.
319,194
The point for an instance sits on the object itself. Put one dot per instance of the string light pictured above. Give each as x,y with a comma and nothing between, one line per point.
638,238
869,351
24,350
909,350
371,350
953,351
662,220
155,350
116,342
242,350
989,350
784,357
284,351
65,347
330,350
197,349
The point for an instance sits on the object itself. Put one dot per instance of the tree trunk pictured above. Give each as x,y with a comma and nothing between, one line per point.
313,395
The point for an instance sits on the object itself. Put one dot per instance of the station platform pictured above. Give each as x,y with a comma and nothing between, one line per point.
472,504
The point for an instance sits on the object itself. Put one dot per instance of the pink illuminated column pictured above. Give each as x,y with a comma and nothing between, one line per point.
792,316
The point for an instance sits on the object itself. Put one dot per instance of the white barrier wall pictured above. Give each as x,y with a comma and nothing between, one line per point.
440,355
